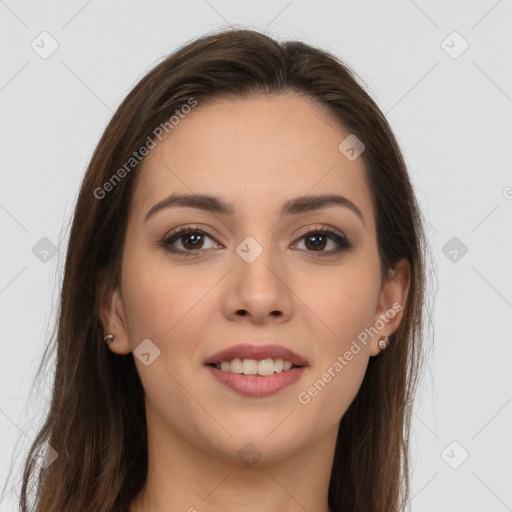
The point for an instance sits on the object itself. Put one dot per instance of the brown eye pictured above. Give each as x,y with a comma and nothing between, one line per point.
316,240
192,240
189,239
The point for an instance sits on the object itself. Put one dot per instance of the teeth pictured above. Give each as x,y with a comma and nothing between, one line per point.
249,367
266,367
235,366
263,367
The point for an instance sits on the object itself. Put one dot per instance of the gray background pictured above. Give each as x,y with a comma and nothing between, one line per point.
451,114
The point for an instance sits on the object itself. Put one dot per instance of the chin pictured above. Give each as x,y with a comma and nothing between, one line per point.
268,438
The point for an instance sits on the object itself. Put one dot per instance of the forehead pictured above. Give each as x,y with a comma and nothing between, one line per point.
254,152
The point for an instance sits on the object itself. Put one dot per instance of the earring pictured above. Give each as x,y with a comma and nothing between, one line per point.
383,342
109,338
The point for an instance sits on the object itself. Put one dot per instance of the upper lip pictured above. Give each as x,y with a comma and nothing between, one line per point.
258,352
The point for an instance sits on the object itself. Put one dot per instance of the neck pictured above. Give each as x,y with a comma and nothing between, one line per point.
184,477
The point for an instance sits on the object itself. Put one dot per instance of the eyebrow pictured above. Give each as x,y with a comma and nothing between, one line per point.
215,204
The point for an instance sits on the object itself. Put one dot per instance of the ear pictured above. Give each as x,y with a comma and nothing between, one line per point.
391,303
111,314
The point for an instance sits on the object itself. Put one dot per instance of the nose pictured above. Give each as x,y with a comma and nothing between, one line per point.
258,289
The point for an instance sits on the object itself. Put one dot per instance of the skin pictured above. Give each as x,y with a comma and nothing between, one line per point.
276,148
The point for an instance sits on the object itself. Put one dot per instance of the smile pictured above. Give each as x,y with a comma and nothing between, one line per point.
256,370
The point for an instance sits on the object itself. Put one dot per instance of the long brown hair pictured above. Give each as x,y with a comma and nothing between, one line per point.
96,419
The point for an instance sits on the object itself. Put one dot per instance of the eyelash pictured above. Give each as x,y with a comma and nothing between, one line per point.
341,240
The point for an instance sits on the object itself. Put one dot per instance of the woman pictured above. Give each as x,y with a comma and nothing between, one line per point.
241,312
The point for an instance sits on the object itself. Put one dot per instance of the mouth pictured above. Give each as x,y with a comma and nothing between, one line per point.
256,370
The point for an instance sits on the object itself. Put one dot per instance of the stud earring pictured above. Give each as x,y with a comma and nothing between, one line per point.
109,338
383,342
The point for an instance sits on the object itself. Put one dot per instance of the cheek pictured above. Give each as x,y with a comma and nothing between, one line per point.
343,357
331,393
154,293
149,305
161,304
344,303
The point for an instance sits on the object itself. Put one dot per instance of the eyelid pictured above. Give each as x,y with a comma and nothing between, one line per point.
186,229
320,228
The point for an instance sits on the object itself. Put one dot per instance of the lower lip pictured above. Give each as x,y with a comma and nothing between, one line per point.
253,385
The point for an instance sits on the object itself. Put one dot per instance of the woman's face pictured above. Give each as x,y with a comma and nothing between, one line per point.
249,274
